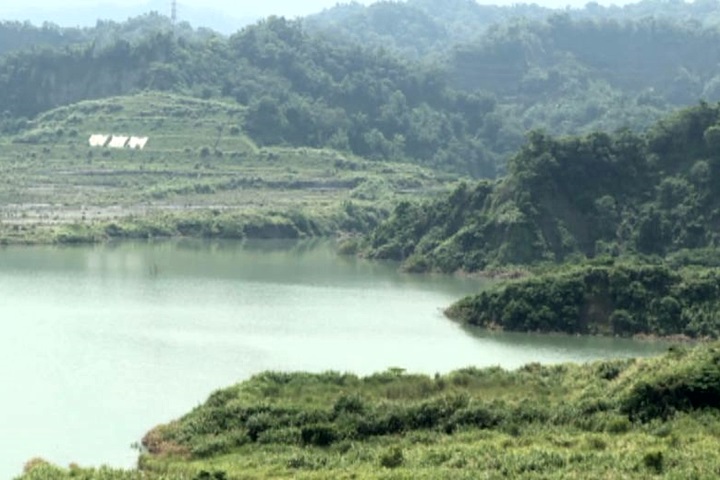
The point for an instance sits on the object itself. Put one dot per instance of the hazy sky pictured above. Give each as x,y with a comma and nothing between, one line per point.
248,8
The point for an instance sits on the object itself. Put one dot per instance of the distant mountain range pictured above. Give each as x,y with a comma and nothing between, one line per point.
84,16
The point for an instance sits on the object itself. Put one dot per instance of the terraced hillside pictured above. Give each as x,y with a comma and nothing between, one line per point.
199,175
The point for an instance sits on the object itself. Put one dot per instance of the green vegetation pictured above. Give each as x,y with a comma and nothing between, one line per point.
303,128
17,36
570,199
200,175
297,90
569,72
573,197
416,28
462,103
423,27
609,419
622,299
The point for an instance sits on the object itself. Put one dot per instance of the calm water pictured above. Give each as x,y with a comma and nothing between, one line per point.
99,344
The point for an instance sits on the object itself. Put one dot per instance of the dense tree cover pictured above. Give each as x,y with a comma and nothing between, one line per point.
567,71
623,299
608,419
462,107
300,90
416,27
586,196
86,14
348,97
16,36
422,27
572,76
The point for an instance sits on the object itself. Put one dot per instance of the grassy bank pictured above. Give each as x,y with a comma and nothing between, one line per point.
216,223
609,419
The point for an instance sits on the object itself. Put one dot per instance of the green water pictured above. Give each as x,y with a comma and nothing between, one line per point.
101,343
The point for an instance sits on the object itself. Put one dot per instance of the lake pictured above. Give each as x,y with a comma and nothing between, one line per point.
101,343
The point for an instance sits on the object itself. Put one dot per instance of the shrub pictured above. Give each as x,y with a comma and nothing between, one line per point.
286,436
258,423
655,462
205,475
609,370
349,404
695,387
322,435
618,425
392,458
34,463
623,323
477,416
300,462
211,446
597,443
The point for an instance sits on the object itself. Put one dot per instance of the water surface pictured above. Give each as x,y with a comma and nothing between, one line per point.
101,343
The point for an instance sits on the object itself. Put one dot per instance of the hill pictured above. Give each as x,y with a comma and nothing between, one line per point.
610,419
424,27
200,175
577,76
299,90
602,298
573,197
568,71
462,107
18,36
87,16
416,28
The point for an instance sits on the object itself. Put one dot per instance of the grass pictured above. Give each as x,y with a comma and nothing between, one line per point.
198,160
597,420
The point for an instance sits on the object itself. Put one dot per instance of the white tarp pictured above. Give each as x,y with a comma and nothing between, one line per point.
98,140
118,141
137,142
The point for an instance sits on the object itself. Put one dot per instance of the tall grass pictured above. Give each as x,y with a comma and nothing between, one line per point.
611,419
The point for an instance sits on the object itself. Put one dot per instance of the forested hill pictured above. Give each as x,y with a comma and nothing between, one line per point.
566,71
574,76
87,14
419,27
599,194
15,36
300,90
464,109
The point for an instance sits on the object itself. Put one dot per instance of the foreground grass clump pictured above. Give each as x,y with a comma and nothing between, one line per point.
608,419
622,299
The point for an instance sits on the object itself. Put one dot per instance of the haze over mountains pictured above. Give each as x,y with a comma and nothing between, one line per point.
229,16
223,16
85,15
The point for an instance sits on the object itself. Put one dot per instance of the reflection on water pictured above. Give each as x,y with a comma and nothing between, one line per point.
100,343
576,348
